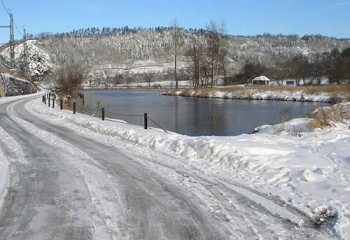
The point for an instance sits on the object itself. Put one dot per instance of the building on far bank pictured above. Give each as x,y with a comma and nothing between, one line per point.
261,80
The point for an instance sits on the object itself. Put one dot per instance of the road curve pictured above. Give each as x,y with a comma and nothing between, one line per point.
65,184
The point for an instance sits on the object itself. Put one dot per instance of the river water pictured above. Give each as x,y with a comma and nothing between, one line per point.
191,116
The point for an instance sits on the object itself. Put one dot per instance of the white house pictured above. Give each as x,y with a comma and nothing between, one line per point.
261,80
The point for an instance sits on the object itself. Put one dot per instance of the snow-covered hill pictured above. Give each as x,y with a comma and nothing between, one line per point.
151,51
38,61
148,53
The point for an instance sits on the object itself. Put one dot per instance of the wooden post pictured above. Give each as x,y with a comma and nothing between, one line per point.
61,103
103,114
73,107
145,121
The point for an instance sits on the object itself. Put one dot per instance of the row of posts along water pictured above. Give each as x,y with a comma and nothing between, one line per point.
50,100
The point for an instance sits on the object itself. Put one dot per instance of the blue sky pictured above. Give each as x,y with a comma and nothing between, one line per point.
241,17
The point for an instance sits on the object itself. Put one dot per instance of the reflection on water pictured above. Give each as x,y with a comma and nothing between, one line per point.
193,116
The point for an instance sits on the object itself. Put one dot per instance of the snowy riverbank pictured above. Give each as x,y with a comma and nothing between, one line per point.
309,170
254,94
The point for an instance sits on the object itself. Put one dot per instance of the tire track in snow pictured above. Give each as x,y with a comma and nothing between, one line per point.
231,202
43,201
94,177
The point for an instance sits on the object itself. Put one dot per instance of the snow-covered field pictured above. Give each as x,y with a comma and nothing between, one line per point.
308,170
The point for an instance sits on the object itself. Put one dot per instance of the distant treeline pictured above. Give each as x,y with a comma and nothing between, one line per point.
114,31
108,31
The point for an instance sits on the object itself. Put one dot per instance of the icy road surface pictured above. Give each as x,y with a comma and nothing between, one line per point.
71,183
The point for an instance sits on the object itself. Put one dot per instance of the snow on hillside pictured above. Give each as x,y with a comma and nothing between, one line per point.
308,170
125,51
39,62
138,53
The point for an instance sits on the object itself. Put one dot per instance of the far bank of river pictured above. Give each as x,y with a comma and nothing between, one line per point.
246,93
192,116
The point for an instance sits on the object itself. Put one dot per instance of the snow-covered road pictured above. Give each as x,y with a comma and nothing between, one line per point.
69,182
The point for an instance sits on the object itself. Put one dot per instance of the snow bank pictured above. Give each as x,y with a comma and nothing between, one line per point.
254,94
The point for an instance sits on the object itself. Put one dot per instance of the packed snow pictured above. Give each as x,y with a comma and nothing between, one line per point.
309,170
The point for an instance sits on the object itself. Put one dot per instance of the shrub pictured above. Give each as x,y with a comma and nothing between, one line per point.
325,116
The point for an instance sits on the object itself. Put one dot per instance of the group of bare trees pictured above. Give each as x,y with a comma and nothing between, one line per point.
206,56
69,76
178,42
304,69
334,65
338,65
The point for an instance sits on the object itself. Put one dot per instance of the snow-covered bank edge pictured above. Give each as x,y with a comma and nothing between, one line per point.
254,94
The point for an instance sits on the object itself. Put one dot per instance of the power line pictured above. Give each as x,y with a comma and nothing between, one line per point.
12,38
19,31
3,4
9,13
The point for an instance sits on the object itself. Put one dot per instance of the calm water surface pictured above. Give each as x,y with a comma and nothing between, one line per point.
192,116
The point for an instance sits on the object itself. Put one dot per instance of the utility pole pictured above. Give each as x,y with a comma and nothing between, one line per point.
12,41
25,51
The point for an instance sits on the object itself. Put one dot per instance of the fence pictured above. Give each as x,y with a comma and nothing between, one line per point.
50,100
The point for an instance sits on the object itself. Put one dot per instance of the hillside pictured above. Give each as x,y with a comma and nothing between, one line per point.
148,53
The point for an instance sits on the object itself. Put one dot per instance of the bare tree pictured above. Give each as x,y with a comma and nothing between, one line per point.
196,57
178,41
216,49
338,65
318,67
149,77
118,79
69,76
297,68
129,79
